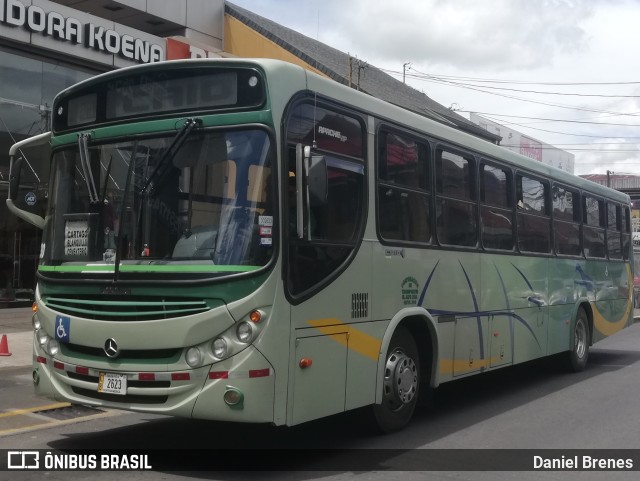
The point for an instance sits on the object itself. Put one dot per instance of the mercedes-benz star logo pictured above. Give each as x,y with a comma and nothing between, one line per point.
111,348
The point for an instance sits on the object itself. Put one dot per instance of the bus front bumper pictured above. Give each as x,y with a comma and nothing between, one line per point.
238,389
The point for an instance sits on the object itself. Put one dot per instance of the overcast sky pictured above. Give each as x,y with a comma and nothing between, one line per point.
584,54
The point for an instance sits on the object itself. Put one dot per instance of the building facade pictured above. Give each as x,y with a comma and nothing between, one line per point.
527,146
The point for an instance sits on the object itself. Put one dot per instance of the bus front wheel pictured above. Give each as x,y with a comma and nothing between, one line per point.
401,383
578,354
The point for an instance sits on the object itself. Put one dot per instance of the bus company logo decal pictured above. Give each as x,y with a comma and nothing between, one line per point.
410,291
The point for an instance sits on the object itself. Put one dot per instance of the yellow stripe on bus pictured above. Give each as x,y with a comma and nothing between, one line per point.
358,341
462,366
607,327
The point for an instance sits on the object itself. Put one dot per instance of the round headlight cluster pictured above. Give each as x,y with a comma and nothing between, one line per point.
193,357
219,348
35,322
233,340
244,332
51,346
42,337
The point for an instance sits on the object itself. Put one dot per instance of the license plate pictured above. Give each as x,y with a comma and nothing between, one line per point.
112,383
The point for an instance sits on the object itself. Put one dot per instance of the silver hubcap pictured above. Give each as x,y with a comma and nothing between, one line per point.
400,379
580,339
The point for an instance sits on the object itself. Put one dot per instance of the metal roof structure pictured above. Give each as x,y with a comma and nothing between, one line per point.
348,70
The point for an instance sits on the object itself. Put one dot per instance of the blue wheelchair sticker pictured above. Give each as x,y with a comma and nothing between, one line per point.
63,328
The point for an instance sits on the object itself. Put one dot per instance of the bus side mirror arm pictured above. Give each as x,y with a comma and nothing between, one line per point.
33,219
15,172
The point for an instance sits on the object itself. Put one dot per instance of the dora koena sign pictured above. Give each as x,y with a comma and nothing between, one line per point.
36,19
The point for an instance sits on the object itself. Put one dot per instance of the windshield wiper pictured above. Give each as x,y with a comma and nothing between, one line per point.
106,180
123,209
163,166
83,150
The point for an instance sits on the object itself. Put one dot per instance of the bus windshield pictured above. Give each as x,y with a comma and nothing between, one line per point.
197,201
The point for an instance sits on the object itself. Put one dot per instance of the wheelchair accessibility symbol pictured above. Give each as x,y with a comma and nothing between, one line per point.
63,327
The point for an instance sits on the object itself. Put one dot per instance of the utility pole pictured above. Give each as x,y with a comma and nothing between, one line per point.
362,67
404,70
609,172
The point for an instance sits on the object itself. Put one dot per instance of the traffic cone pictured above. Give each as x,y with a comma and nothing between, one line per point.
4,346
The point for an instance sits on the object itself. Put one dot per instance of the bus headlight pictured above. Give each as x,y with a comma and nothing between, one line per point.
193,356
244,332
219,348
53,347
35,322
42,337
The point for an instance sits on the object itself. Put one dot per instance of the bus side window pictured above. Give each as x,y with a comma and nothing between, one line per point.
456,211
614,226
497,207
534,221
332,230
593,228
566,221
403,198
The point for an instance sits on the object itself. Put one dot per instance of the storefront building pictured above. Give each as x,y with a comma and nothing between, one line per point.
46,46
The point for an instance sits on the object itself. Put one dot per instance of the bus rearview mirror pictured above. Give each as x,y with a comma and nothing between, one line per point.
317,180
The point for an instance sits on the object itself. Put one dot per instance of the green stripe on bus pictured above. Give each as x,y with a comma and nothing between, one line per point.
149,268
165,126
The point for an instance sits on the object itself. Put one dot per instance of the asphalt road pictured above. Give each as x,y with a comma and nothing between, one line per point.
532,407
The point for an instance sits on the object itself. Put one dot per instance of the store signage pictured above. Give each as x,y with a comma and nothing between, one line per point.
37,20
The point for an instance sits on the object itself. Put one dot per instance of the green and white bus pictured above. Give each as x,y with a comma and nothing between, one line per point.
243,240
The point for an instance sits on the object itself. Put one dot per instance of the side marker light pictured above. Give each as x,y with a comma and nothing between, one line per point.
305,362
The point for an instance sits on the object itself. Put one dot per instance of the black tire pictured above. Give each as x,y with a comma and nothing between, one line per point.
576,358
401,383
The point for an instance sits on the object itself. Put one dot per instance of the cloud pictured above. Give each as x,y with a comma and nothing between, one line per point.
620,155
544,41
502,34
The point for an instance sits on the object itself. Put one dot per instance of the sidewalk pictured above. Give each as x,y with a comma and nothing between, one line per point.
16,325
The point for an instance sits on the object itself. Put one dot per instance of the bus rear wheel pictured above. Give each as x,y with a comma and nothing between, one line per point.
401,383
576,358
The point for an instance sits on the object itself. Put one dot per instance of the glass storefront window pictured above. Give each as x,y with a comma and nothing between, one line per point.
29,85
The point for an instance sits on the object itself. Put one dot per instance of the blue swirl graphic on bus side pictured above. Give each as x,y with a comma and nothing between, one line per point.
477,313
585,280
506,298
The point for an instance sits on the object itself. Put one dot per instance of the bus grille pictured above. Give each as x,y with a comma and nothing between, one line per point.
115,398
165,355
129,308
